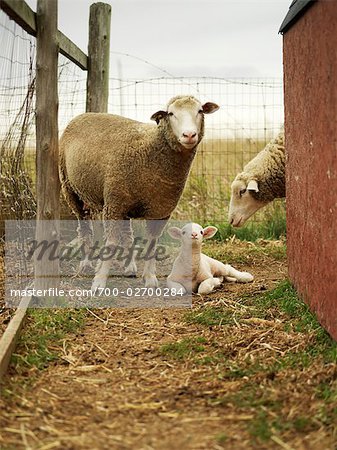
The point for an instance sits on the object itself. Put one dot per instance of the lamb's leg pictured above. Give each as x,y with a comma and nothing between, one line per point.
84,229
232,274
154,231
118,233
230,279
207,286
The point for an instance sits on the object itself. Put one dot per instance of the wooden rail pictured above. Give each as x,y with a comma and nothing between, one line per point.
9,338
23,15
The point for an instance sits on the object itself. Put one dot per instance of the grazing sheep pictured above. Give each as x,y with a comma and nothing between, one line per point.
193,271
262,180
129,170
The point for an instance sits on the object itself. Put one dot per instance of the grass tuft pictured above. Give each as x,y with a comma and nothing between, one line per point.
38,344
183,349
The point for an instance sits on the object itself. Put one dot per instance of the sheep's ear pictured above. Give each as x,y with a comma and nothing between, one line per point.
209,108
253,186
157,116
174,232
209,232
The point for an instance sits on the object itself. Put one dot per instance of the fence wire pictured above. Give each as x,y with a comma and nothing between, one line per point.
251,112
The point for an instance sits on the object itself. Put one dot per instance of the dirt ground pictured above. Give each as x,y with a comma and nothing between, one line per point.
117,384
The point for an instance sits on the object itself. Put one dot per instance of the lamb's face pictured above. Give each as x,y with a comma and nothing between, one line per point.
192,234
186,117
243,204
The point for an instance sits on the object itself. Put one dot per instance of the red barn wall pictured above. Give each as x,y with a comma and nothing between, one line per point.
310,84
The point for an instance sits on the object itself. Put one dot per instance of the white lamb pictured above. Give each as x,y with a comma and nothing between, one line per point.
193,271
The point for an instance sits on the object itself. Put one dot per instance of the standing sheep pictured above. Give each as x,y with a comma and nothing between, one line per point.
193,271
262,180
129,170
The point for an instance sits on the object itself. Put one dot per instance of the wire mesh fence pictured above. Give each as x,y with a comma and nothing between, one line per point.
17,87
251,112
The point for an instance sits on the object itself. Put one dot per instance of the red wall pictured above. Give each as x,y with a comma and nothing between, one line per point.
310,84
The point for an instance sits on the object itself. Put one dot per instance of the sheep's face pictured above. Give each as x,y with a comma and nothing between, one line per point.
243,204
186,118
192,234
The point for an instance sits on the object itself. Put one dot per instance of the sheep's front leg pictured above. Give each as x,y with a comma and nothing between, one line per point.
130,264
207,286
131,268
118,234
154,231
85,239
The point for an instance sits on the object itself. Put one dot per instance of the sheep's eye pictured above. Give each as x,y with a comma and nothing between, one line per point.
183,232
200,111
242,191
201,232
170,113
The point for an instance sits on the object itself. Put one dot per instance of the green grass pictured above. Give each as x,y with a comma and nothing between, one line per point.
210,316
183,349
327,392
42,335
221,438
263,426
259,427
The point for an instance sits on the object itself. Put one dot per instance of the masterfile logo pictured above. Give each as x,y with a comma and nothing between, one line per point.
59,269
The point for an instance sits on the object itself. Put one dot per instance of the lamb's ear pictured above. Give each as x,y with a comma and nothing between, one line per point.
174,232
253,186
209,108
209,232
157,116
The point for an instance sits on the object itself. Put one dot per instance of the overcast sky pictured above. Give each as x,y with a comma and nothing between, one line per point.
220,38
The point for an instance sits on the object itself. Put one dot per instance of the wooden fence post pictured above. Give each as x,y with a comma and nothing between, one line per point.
47,178
98,58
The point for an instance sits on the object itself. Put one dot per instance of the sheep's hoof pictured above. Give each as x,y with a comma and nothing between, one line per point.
151,282
98,283
130,273
131,270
